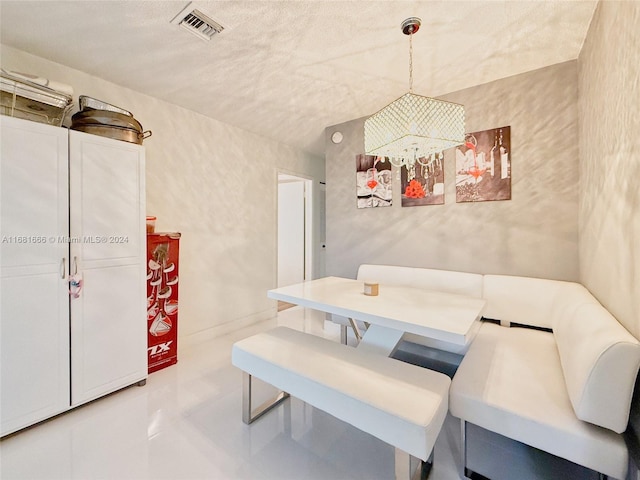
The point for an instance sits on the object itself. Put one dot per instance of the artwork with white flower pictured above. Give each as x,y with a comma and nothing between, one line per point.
373,181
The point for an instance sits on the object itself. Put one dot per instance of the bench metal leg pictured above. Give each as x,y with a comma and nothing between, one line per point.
463,448
248,415
408,467
343,334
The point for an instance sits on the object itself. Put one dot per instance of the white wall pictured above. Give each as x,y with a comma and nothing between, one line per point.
214,183
291,234
609,69
534,234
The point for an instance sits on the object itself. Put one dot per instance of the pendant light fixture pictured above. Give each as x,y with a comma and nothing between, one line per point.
413,128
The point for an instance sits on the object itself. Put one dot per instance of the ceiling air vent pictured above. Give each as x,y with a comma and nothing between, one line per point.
198,23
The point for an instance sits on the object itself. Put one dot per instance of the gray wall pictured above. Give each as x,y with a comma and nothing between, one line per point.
609,69
534,234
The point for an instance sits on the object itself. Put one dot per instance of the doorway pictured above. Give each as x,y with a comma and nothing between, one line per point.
295,252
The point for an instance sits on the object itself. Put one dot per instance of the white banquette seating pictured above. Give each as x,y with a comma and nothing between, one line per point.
556,371
401,404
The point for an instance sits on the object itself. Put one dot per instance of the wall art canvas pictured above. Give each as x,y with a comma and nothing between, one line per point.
423,182
483,166
373,181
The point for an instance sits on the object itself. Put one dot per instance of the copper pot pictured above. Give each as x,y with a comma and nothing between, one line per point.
116,132
105,117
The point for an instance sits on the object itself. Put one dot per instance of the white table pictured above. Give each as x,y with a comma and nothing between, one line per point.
395,311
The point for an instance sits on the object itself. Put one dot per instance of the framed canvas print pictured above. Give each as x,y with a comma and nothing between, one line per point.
373,182
423,182
483,166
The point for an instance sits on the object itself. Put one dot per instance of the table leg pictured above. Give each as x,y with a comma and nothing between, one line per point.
380,340
356,330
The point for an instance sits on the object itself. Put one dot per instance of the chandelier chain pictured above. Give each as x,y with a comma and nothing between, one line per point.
411,129
411,62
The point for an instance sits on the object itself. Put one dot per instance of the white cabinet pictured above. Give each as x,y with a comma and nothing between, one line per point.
107,216
34,298
70,202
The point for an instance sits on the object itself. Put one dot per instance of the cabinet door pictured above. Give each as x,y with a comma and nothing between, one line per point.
34,299
107,215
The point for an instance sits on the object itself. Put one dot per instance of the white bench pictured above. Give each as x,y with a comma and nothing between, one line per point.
566,390
398,403
563,384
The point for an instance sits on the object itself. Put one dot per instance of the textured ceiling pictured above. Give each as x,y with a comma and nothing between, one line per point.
288,69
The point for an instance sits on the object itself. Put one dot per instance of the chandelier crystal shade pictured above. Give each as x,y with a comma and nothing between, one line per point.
413,127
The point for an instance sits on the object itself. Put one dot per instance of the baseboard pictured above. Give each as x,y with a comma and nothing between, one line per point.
227,327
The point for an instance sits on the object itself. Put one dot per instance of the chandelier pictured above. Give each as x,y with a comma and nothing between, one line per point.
413,128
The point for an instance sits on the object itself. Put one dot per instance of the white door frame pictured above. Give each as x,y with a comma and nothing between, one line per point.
308,219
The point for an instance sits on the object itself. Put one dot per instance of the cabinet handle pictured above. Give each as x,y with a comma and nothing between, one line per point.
75,265
63,268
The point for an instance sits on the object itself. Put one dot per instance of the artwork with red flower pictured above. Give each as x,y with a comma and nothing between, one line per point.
423,183
483,166
414,190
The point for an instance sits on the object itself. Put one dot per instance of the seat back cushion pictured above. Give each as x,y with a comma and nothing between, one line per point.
447,281
600,361
530,301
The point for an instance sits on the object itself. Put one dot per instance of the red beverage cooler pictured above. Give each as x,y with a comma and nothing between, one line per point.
162,299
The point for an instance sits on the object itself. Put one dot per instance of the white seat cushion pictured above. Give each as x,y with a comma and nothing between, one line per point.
600,360
399,403
447,281
530,301
511,382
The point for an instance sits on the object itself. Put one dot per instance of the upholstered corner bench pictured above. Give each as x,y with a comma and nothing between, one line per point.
557,373
398,403
549,367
